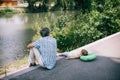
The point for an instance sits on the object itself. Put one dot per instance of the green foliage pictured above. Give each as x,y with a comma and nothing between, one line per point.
37,5
110,19
61,22
73,31
7,12
14,66
45,5
101,21
83,5
76,33
66,4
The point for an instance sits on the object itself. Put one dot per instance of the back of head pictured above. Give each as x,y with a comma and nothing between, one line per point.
45,32
84,52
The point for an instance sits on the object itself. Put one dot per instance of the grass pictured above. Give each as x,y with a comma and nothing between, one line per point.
8,12
14,66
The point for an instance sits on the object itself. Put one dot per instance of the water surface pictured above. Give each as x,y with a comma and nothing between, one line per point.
18,30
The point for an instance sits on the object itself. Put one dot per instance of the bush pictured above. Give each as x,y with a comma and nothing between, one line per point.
75,33
110,11
7,11
78,30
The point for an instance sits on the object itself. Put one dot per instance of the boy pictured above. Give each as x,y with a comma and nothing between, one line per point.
43,50
70,55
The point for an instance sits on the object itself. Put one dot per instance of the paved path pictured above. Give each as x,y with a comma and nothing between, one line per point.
102,68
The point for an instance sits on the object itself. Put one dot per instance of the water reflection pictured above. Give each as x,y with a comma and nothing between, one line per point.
17,31
11,38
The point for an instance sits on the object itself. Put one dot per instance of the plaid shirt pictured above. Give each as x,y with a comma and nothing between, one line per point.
48,50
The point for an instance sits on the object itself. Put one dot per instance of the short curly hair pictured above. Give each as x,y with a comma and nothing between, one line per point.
84,52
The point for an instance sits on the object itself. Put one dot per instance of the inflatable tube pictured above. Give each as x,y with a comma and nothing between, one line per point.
89,57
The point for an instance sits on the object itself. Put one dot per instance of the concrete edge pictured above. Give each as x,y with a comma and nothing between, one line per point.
98,41
22,71
19,72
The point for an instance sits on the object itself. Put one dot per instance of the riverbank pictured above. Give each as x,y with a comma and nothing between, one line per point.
14,66
19,7
11,10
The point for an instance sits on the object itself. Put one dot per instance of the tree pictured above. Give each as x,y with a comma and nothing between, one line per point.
84,5
110,11
32,7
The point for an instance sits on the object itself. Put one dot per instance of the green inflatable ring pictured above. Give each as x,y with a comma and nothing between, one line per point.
89,57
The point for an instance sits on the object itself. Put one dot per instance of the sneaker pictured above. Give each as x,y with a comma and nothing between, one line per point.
32,64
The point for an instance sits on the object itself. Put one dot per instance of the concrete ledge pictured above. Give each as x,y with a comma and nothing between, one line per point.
22,71
108,46
19,72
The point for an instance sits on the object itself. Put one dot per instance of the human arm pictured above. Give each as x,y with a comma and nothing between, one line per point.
34,44
30,45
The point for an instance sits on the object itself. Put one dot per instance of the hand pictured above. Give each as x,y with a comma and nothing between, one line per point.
30,45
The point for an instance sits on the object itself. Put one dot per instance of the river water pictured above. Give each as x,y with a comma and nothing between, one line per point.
18,30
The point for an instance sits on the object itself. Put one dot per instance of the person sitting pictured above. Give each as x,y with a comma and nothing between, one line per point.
43,50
